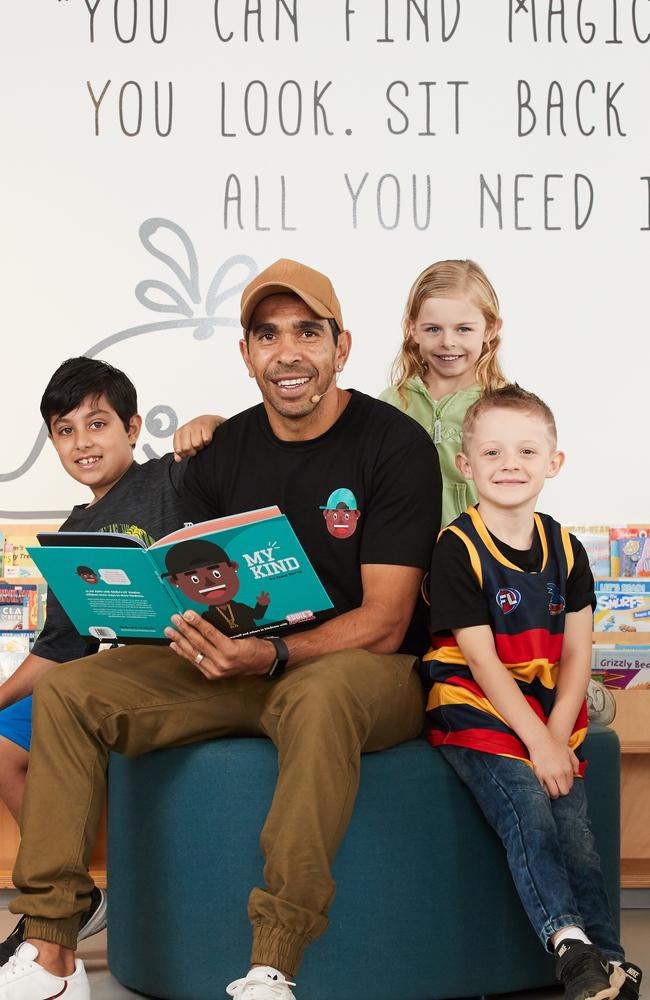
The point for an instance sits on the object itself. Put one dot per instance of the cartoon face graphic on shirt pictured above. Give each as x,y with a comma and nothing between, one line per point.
203,572
341,513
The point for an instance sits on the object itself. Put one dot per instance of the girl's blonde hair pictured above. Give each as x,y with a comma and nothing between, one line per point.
450,279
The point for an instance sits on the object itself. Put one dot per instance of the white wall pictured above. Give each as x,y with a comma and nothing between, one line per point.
574,301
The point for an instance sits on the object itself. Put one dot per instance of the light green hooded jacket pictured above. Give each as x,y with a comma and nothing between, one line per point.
442,419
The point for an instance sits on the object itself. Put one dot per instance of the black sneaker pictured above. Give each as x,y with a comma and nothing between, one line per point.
92,922
584,971
629,989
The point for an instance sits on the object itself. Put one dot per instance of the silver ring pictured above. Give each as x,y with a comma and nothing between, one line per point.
198,658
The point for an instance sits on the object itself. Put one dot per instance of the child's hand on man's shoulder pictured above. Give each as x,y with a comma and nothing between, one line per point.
195,434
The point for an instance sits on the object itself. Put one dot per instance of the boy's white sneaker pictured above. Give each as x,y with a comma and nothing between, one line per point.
23,979
262,983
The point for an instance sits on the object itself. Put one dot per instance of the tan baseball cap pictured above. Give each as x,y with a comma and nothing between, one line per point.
314,288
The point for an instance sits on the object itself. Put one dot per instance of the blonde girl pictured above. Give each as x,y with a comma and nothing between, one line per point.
448,358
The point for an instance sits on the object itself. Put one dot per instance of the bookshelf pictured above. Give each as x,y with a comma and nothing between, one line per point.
632,721
9,832
632,724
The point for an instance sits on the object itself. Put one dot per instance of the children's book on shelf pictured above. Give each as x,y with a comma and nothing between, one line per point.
14,612
246,574
16,561
21,606
621,666
595,540
622,605
630,550
628,680
41,605
14,647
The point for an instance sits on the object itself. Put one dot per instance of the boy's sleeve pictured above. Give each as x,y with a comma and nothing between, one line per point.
456,599
59,640
580,584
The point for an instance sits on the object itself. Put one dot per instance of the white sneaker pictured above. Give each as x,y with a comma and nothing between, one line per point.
262,983
23,979
601,705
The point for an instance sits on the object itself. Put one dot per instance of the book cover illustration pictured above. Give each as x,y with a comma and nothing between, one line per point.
622,605
596,542
628,680
621,667
14,609
17,562
19,607
14,647
630,551
246,574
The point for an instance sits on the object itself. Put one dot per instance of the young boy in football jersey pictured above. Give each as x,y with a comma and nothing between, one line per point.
90,410
511,618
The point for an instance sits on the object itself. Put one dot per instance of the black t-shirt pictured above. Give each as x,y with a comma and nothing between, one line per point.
366,491
457,600
145,502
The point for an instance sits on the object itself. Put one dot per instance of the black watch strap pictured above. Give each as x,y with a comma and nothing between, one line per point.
281,656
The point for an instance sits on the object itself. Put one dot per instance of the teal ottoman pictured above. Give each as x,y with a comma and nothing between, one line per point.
424,906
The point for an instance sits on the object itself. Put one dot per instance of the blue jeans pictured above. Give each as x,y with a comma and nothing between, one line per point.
549,844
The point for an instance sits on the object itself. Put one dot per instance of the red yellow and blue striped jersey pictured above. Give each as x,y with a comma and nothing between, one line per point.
527,615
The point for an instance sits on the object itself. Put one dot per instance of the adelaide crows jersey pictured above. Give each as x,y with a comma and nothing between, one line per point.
527,616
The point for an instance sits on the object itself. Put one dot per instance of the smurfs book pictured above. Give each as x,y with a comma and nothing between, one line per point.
246,574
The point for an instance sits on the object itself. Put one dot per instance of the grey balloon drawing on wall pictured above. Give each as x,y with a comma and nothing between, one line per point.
198,314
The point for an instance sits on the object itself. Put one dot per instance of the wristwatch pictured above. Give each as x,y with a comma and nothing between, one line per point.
281,656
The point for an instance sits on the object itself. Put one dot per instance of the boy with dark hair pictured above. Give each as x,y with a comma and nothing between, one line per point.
90,409
79,378
511,617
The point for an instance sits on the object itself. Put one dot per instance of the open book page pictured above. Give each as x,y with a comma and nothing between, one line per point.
246,575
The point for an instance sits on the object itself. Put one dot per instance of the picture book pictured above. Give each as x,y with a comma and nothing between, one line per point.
41,605
621,667
14,647
595,540
19,606
14,611
627,680
630,550
620,658
622,605
246,574
17,562
15,538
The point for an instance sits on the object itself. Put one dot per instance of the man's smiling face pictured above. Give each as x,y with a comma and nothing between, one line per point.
291,354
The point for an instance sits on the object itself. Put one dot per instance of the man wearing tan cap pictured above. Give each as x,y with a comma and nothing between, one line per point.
360,484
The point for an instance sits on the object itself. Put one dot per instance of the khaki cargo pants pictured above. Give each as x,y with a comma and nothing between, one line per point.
321,716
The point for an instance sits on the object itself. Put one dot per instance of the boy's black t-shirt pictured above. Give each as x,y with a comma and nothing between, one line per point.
366,491
457,600
145,502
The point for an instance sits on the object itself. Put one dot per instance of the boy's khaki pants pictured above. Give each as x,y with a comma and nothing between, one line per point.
320,716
